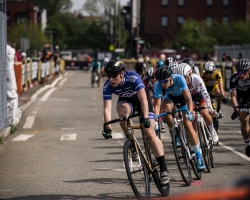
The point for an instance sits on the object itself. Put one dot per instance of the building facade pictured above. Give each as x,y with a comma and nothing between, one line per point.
160,20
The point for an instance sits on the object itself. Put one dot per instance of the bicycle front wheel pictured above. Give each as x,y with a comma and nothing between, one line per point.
136,171
182,158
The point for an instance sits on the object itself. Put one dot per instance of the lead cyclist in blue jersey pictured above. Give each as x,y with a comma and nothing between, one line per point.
132,97
176,92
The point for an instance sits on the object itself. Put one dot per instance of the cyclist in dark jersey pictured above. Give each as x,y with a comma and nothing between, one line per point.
240,95
132,97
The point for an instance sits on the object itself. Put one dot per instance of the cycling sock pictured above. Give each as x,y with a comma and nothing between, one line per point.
218,108
247,143
162,162
197,151
211,128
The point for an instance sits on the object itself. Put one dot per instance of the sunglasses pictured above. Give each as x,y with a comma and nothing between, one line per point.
164,81
209,72
112,75
242,72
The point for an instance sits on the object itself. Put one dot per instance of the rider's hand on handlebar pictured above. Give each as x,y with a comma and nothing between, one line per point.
190,116
213,112
107,134
146,122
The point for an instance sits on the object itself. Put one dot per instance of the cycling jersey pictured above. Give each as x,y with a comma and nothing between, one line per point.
128,89
198,90
95,66
242,88
215,79
149,83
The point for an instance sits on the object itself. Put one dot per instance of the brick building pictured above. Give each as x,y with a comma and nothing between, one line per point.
160,20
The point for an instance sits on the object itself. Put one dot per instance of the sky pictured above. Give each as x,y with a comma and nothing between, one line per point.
77,4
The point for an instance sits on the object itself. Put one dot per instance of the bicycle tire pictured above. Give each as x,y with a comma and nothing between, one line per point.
140,188
197,173
204,146
182,159
211,157
164,190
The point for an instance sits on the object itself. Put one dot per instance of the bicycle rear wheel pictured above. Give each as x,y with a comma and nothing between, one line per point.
182,158
164,190
204,146
136,171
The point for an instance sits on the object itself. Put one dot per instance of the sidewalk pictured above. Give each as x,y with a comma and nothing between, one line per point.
25,99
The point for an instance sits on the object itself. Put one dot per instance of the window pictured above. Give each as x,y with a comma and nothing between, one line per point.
209,20
225,2
225,19
164,2
180,20
181,2
209,2
164,21
22,18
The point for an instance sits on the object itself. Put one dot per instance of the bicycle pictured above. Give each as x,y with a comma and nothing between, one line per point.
143,166
95,78
183,155
205,138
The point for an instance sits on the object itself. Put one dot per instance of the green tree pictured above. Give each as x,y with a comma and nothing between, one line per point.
54,6
33,32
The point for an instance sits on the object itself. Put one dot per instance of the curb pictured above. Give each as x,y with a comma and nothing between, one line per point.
4,133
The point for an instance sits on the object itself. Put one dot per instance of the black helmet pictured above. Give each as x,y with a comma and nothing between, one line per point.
114,66
242,64
163,72
169,60
189,61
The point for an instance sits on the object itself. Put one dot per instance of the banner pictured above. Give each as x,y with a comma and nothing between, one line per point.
76,65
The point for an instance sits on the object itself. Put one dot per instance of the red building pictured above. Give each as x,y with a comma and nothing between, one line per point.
21,12
160,20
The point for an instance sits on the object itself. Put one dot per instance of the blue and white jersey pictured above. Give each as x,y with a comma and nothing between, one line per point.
128,89
176,90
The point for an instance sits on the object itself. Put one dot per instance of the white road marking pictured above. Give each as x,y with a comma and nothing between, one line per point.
121,169
68,129
234,151
48,93
62,82
30,120
71,136
239,132
22,137
117,136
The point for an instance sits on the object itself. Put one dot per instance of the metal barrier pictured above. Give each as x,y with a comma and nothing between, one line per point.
3,67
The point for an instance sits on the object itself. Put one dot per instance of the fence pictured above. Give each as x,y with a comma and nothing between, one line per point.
3,81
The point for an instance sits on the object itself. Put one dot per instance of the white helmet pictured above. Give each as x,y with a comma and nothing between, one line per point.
151,72
140,60
173,66
184,69
210,66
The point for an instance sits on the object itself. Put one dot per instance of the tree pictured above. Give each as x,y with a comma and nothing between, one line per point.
33,32
54,6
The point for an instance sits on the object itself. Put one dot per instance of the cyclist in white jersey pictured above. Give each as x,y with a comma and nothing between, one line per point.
199,95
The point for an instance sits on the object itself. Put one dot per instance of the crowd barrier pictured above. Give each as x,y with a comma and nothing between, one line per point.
32,71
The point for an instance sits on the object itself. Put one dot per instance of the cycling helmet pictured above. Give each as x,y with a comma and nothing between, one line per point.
169,60
184,69
163,72
114,66
173,66
151,72
140,60
189,61
210,66
242,64
159,63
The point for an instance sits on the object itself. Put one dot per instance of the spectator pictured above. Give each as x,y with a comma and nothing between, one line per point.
240,56
226,58
18,55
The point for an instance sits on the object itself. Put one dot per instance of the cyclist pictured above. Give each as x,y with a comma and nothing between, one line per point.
161,61
240,95
150,80
173,66
132,97
140,67
214,84
200,95
176,92
104,62
95,68
190,61
169,61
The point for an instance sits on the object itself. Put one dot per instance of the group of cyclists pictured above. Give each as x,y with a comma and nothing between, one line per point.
166,85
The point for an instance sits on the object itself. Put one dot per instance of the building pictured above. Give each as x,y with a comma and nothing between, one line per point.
160,20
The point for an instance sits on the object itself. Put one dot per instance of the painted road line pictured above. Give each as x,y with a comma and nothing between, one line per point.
62,82
234,151
68,129
71,136
30,120
117,136
22,137
48,93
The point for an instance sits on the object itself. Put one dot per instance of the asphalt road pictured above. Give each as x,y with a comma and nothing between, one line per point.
58,151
